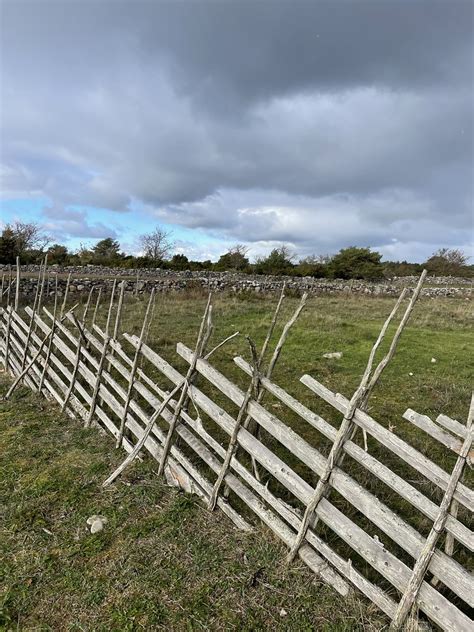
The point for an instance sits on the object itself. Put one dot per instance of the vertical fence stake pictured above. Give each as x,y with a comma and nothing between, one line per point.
7,337
66,291
347,426
86,308
103,356
423,561
53,331
271,366
42,282
133,370
77,361
96,309
17,289
205,332
10,281
235,430
1,292
32,320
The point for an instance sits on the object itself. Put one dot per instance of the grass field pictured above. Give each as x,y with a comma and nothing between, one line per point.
163,562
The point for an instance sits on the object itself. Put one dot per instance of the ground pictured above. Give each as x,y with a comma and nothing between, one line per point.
164,562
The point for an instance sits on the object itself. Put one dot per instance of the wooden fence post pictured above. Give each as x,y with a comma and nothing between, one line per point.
133,370
238,423
32,319
96,308
347,426
77,360
53,330
103,356
205,332
17,289
66,291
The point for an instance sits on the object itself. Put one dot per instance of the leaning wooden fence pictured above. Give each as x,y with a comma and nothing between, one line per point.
248,460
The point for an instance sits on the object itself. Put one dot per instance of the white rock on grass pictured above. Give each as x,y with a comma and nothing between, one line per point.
336,355
433,360
96,523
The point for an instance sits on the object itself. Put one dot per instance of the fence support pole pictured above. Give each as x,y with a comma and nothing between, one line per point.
103,355
238,424
347,426
133,370
50,343
17,289
205,332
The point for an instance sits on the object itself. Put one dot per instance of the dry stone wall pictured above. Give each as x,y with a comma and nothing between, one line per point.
143,280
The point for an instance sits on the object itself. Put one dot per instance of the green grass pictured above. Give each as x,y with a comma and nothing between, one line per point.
163,562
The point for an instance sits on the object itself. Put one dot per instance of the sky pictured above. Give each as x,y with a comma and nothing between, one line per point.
316,125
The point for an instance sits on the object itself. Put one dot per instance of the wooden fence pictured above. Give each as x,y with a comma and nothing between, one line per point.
244,459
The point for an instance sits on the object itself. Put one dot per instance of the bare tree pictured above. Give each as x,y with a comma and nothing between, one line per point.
29,236
156,245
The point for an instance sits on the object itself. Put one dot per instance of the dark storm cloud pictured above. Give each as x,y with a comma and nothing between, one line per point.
352,120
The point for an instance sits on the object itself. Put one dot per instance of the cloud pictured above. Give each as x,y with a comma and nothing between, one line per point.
317,124
62,224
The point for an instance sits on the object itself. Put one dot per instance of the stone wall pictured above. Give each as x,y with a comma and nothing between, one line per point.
87,277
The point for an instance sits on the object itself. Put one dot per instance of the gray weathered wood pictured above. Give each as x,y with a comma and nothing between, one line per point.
451,424
17,288
388,521
201,342
389,439
427,425
134,368
238,423
380,470
434,604
413,587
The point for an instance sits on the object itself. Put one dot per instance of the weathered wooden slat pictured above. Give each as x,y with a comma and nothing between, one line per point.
432,603
454,575
406,452
381,471
452,425
427,425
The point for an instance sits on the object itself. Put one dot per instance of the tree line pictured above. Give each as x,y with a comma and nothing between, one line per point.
30,243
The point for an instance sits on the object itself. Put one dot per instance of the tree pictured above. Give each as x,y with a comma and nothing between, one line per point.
312,266
8,246
447,262
156,245
356,263
234,259
57,254
279,261
106,251
179,262
29,236
24,240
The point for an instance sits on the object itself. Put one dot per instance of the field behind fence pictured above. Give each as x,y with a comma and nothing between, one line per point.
344,509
